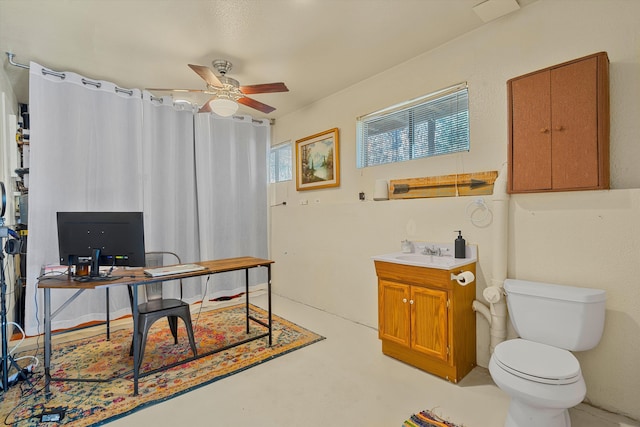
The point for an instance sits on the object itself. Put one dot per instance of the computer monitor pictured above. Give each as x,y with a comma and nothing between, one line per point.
101,238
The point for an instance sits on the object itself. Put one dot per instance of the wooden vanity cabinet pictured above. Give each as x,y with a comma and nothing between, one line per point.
559,127
426,320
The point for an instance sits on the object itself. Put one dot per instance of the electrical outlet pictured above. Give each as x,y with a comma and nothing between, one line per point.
361,195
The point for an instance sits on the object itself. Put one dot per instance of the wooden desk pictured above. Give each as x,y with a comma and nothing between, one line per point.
137,278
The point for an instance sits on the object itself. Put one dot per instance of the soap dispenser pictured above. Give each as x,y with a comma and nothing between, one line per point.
460,245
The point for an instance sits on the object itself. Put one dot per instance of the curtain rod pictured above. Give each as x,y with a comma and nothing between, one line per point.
98,84
11,55
44,70
63,76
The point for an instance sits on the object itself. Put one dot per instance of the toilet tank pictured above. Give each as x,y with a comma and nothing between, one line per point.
561,316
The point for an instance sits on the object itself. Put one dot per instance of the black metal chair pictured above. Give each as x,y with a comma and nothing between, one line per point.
156,307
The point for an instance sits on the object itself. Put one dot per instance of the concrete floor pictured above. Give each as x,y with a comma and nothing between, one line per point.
344,380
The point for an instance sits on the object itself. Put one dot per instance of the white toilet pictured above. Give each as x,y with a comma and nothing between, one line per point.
537,370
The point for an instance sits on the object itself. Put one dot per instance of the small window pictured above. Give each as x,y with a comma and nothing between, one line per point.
431,125
280,164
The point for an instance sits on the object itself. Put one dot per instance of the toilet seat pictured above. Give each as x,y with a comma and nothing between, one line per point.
537,362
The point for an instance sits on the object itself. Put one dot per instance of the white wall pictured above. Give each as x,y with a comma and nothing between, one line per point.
322,250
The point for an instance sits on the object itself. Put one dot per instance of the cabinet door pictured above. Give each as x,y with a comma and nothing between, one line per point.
393,315
574,118
531,132
429,322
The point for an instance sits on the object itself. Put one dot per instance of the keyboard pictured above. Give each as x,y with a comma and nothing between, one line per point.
172,269
95,278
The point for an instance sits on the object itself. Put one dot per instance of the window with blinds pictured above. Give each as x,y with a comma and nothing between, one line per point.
280,163
431,125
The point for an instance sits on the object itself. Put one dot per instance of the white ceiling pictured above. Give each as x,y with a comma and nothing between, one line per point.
317,47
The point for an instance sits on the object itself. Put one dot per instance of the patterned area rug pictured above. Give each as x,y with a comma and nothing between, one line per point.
427,419
96,403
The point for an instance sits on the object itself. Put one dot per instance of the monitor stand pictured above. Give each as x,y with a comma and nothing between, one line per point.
94,270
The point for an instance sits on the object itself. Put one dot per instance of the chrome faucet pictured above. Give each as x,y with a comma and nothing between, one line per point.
431,251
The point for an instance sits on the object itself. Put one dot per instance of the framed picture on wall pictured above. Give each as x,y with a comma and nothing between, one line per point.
318,161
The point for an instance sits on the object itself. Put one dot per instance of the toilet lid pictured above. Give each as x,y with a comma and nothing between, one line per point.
537,362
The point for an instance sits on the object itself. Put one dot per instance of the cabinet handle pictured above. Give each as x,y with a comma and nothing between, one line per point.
404,300
411,301
544,130
560,128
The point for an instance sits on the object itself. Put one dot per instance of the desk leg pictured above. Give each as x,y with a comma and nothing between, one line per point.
136,340
47,340
269,299
108,323
246,284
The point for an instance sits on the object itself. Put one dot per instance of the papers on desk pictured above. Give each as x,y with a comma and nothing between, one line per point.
53,269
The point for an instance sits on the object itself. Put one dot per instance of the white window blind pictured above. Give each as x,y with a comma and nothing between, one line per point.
280,163
431,125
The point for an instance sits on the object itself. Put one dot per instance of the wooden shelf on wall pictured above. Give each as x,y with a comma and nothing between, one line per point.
467,184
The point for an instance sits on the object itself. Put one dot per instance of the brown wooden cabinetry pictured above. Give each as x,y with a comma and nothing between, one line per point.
559,127
426,319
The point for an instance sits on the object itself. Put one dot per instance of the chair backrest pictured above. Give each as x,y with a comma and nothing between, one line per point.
154,291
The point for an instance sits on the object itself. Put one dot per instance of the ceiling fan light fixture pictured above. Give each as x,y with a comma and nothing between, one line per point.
227,92
224,107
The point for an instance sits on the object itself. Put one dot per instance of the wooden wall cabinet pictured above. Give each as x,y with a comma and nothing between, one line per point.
426,319
559,127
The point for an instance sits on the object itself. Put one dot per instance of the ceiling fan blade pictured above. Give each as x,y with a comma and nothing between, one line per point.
174,90
264,88
249,102
205,107
207,75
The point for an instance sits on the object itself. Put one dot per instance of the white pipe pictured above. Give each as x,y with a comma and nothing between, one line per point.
496,314
500,257
498,323
482,309
501,226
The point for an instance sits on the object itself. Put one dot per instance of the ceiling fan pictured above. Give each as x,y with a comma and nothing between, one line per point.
227,92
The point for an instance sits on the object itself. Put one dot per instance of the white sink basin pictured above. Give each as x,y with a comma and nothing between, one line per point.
427,260
431,261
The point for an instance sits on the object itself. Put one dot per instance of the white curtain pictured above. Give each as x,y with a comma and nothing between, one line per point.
231,171
202,184
86,155
170,208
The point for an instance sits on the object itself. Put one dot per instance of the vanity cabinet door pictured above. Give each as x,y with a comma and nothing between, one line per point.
429,322
394,312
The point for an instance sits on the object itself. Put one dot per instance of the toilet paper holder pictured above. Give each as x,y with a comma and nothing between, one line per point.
455,276
463,278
